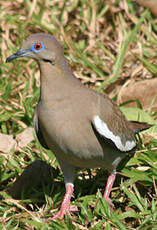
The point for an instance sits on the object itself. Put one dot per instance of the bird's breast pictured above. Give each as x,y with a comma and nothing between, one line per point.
70,135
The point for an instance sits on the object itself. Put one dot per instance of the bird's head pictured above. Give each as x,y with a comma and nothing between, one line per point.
41,47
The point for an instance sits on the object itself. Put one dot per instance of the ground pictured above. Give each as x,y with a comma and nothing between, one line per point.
111,47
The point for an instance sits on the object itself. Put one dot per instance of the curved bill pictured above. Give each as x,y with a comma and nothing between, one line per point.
20,53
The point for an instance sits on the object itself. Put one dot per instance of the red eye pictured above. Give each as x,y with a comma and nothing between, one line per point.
38,46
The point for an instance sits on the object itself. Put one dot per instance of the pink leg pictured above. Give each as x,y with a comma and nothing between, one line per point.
65,207
108,188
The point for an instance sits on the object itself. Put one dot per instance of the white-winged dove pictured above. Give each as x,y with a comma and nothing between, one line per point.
83,128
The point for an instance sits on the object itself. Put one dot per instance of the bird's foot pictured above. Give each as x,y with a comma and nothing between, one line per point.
65,207
109,201
108,188
60,215
64,210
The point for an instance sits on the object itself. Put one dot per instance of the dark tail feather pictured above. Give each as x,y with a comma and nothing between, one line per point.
139,126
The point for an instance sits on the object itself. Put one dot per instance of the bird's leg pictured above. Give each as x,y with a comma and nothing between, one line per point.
108,188
65,207
69,174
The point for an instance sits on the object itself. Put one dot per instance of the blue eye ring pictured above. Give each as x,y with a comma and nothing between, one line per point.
37,46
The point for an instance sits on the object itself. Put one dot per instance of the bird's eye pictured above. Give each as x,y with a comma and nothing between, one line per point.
37,46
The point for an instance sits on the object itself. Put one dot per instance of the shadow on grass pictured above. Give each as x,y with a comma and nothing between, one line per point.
33,178
38,175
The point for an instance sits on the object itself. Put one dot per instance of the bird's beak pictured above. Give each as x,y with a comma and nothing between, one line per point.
20,53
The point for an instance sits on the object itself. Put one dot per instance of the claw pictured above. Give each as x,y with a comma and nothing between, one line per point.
60,215
111,205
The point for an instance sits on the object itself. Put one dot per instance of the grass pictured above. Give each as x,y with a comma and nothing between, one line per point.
105,43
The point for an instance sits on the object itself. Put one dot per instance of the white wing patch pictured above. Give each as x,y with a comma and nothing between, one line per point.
103,129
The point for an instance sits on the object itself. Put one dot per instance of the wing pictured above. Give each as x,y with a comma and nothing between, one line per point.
38,130
111,124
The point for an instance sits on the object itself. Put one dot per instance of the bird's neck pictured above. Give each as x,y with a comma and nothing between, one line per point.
55,80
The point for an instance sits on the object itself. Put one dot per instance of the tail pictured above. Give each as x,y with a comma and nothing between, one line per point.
139,126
